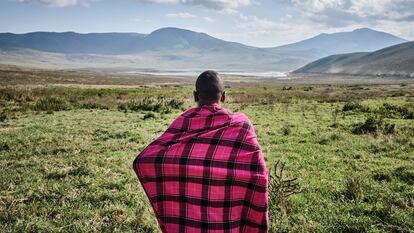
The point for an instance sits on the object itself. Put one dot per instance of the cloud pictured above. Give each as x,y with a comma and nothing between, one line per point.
255,26
393,16
212,4
183,15
208,19
345,12
58,3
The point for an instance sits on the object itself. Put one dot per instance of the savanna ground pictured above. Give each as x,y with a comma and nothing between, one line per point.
66,151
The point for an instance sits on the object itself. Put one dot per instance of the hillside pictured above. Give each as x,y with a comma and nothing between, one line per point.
118,43
394,60
359,40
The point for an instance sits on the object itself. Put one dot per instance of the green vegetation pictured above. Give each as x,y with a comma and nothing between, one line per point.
344,155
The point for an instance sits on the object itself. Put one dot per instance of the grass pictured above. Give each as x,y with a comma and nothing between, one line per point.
66,155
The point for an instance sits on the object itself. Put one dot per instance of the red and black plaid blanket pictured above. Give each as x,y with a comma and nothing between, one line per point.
206,173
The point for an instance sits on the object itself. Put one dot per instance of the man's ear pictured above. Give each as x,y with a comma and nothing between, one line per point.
195,96
223,96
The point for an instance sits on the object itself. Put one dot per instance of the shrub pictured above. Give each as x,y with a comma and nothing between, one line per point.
405,174
371,125
94,105
3,116
308,88
326,139
149,115
15,94
395,111
51,103
355,107
280,188
152,104
4,147
352,188
389,128
382,176
175,103
286,130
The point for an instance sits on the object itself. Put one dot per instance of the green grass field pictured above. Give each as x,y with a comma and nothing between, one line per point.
66,155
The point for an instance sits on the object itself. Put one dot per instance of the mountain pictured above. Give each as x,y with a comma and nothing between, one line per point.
165,48
176,48
117,43
394,60
71,42
359,40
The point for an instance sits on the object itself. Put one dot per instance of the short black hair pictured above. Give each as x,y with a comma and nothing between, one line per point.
209,86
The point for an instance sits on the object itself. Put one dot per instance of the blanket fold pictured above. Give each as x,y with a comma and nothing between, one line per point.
206,173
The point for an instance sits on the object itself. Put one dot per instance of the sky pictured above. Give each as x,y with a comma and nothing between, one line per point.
262,23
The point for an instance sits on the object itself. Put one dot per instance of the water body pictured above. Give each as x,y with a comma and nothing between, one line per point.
264,74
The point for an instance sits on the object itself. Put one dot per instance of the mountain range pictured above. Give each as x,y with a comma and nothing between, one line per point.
394,60
178,48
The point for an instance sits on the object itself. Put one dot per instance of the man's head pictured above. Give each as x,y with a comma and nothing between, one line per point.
209,88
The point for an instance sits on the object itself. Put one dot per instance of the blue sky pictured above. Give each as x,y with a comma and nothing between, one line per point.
254,22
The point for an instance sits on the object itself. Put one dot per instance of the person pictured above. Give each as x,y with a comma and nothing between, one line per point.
206,172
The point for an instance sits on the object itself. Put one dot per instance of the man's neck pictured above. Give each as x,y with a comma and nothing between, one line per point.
208,103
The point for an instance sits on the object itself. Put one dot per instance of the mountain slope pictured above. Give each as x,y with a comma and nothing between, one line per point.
394,60
163,48
117,43
166,48
71,42
359,40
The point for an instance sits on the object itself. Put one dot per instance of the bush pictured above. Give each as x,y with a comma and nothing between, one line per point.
152,104
308,88
286,130
352,188
175,104
51,103
149,115
3,116
94,105
355,107
15,94
382,176
405,174
395,111
280,188
371,125
389,128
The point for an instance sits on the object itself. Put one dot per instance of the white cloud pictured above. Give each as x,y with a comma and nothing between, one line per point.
208,19
356,10
318,5
212,4
266,32
255,26
58,3
182,15
393,16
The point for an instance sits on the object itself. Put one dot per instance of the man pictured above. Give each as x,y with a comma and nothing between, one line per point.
206,173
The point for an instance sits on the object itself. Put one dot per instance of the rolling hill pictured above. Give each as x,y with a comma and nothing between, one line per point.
359,40
176,48
394,60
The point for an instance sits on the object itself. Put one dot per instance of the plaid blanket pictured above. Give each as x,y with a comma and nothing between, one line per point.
206,173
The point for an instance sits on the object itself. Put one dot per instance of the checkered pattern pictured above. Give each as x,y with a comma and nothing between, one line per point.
206,173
